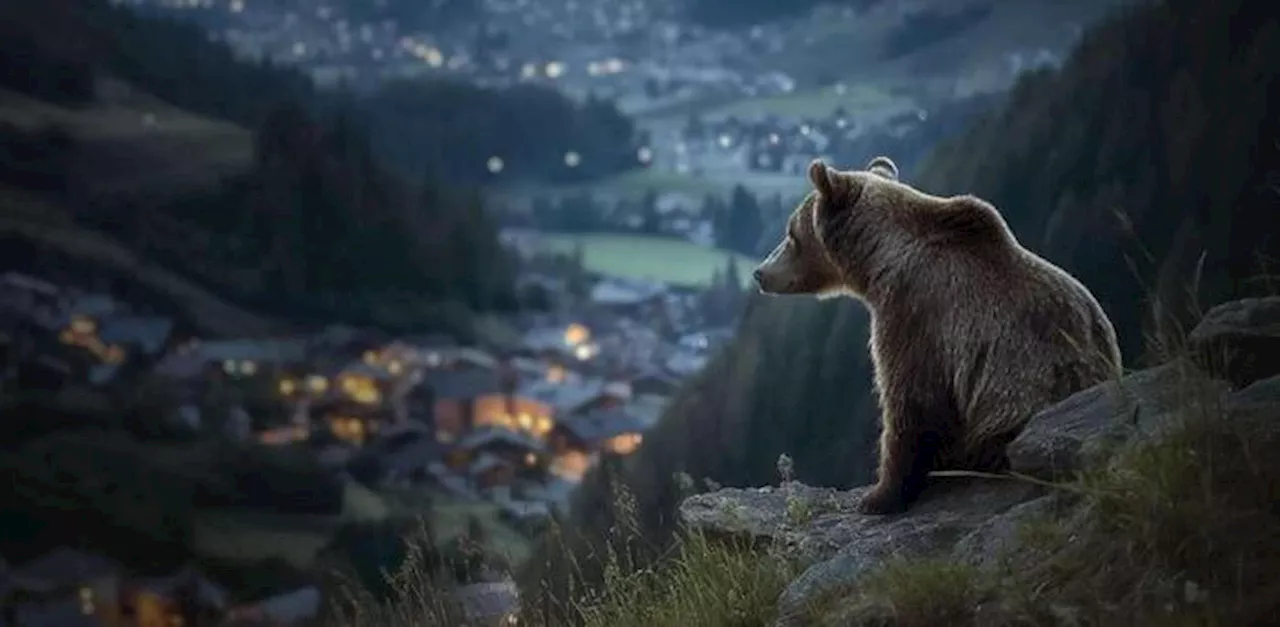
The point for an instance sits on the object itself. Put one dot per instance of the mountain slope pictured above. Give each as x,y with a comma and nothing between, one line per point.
1155,114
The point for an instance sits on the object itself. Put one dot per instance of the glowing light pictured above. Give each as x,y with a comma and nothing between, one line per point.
237,6
774,138
288,387
582,352
805,129
525,421
395,367
248,368
530,459
645,154
556,374
725,141
229,366
841,123
370,357
528,70
572,159
83,325
575,334
555,69
317,384
494,164
613,66
299,49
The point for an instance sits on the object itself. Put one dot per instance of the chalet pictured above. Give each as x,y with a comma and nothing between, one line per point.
184,598
142,340
297,607
64,587
350,420
496,456
240,359
567,399
466,400
626,296
578,440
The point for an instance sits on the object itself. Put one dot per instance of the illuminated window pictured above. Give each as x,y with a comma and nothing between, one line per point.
530,459
288,387
494,164
248,368
556,374
525,421
229,367
317,384
555,69
576,334
582,351
572,159
543,425
83,325
395,367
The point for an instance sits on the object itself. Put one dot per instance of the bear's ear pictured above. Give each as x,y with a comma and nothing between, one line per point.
822,177
883,166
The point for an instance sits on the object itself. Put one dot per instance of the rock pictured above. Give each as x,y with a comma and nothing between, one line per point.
821,526
1083,429
1239,340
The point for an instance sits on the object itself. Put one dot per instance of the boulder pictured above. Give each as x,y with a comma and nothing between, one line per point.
1086,427
1240,340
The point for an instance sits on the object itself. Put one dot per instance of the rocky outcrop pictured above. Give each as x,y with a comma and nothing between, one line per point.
972,520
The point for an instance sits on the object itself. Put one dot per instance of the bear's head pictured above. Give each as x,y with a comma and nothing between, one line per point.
818,255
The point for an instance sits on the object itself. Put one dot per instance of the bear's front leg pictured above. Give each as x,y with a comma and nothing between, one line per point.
908,451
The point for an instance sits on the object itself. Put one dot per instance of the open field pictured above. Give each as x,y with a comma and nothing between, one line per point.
671,260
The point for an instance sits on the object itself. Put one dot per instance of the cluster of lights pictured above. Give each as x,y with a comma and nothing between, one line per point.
244,368
361,390
430,54
606,67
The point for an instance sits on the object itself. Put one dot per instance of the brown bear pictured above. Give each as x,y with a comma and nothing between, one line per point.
970,332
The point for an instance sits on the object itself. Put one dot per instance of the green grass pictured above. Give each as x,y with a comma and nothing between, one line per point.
448,516
296,538
671,260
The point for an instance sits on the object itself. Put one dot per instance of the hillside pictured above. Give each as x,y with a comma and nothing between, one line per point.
1190,159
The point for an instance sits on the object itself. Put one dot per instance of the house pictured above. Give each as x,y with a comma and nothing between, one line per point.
626,296
140,339
240,359
471,399
297,607
64,587
569,398
405,452
184,598
350,420
577,441
496,456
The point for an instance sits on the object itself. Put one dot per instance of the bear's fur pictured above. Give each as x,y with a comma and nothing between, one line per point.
970,332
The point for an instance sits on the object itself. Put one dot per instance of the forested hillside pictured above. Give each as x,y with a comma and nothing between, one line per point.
1160,116
101,109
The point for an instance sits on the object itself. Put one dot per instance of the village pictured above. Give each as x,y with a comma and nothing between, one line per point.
516,426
